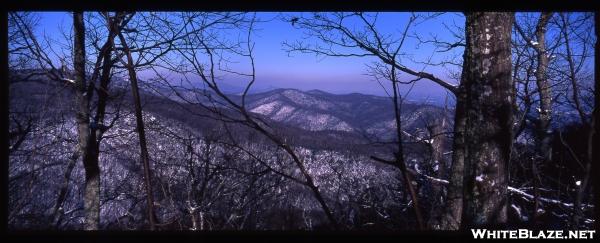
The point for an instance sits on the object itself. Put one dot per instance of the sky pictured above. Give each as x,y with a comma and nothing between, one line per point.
276,68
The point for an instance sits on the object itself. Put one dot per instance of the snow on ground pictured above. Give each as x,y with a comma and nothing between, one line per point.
266,109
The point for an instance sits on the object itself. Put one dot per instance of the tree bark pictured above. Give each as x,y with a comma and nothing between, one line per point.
86,137
452,216
438,140
62,192
487,83
544,146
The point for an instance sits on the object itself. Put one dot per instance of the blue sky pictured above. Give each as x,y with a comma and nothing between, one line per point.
275,68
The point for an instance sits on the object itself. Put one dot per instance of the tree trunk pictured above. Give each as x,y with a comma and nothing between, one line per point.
451,218
62,192
399,155
588,124
141,133
544,131
487,83
438,141
86,137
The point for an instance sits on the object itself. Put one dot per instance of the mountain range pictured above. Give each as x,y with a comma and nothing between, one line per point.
317,110
306,115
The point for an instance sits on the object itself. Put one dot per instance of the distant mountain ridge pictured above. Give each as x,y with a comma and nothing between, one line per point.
313,110
317,110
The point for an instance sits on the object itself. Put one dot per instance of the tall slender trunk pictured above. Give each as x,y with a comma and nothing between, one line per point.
544,131
86,137
451,219
62,192
400,154
141,133
489,117
588,124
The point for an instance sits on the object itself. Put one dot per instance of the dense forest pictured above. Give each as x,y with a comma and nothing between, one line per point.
125,124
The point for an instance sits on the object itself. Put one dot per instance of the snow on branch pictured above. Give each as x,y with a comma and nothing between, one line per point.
543,199
69,80
510,189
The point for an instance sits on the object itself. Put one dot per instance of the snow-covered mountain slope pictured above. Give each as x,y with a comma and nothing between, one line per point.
316,110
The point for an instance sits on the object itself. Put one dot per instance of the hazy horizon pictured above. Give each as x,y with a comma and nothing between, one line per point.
338,75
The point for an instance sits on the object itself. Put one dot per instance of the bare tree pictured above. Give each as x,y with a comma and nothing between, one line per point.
544,135
579,95
338,39
154,42
86,138
202,42
141,131
545,52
